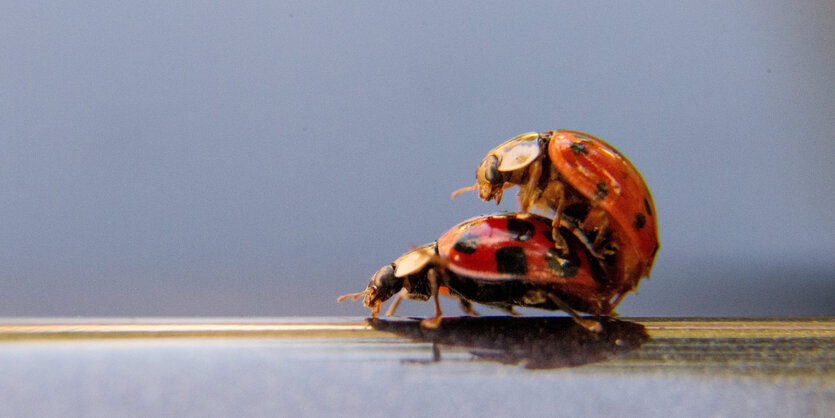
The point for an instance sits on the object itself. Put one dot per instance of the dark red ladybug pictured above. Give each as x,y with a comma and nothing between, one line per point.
591,188
502,261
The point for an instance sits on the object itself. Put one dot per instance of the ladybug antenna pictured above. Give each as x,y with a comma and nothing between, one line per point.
354,296
465,189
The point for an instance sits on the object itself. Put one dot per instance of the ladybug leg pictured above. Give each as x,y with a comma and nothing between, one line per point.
588,324
554,195
434,322
590,246
559,241
617,300
509,310
529,193
467,307
396,302
597,220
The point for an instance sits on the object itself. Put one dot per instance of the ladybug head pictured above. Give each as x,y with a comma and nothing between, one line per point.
382,285
408,271
489,179
505,166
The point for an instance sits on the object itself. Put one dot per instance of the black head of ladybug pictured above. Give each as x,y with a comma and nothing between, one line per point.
382,285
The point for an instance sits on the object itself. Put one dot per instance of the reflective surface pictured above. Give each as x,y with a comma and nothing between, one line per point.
345,367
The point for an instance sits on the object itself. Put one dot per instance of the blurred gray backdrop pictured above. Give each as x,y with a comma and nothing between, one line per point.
261,158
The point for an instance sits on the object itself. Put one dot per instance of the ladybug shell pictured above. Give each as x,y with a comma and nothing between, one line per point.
499,259
604,176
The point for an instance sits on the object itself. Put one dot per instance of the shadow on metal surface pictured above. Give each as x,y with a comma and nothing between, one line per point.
539,342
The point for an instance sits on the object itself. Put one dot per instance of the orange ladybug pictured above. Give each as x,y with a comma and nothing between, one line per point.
592,189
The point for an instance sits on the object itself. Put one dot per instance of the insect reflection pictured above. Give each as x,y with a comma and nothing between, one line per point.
538,342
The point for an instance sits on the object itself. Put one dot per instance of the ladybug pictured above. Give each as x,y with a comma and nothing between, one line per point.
592,189
502,261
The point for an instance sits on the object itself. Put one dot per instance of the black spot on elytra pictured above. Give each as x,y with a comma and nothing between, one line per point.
601,190
467,244
520,230
639,221
579,148
511,260
567,266
647,207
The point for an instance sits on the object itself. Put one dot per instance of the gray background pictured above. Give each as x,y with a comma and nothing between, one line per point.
262,158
